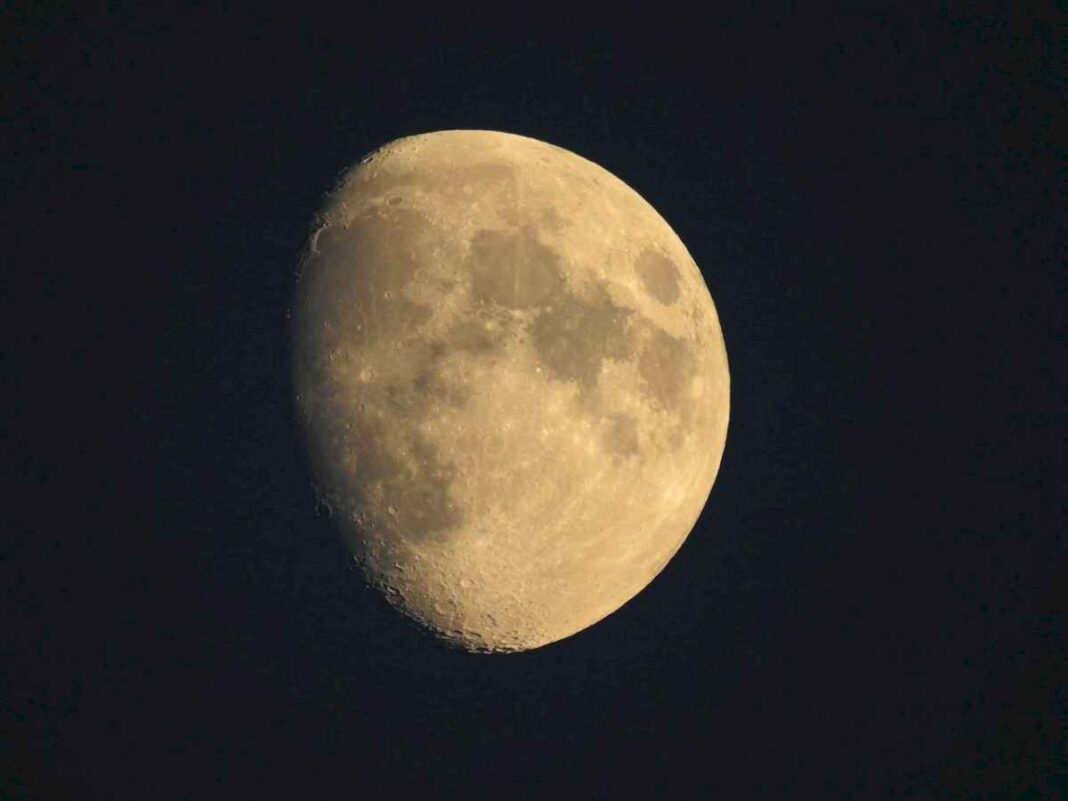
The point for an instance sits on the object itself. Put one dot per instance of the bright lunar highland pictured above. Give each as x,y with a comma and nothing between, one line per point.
512,382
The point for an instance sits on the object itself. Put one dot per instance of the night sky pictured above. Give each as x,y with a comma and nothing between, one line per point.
866,607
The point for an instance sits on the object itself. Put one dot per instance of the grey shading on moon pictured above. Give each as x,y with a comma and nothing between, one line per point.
512,382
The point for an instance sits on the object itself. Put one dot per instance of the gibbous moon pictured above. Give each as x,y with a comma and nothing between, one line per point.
512,382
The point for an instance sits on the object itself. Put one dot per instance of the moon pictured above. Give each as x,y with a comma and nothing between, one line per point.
512,382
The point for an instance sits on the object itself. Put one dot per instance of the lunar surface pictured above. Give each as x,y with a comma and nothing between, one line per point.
512,381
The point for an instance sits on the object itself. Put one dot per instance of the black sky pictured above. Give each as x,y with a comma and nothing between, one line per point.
866,608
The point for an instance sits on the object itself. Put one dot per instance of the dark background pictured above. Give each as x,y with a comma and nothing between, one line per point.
865,609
